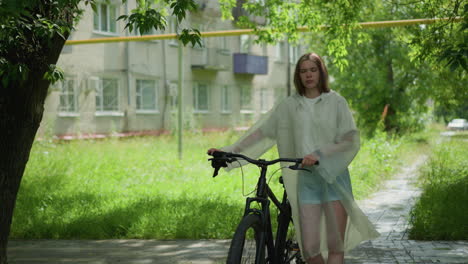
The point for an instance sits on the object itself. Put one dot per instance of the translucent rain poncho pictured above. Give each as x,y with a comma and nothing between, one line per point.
326,128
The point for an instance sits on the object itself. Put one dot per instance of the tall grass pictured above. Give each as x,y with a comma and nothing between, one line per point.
441,211
137,187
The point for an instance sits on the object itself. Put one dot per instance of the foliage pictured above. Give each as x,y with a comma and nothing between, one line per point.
375,162
35,25
440,212
273,21
54,74
383,74
33,31
450,94
94,189
443,47
442,43
146,17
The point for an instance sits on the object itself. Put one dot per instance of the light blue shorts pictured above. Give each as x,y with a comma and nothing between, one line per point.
313,189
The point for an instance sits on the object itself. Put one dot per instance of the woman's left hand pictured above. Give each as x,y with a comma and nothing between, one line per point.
309,160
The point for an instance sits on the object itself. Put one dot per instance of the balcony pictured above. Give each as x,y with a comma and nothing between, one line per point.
250,64
212,59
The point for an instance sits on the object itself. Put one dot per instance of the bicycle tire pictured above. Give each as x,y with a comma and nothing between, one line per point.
241,250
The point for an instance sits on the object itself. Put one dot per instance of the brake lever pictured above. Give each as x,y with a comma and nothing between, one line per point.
218,162
215,173
296,166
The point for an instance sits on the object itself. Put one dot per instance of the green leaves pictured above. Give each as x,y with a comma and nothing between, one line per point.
275,21
12,72
443,44
54,74
180,7
455,57
48,28
191,35
226,8
143,19
28,35
92,3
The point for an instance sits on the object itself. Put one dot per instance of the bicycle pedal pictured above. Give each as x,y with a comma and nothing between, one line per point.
295,247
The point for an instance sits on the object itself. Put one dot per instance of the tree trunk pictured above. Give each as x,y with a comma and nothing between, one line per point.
16,137
21,110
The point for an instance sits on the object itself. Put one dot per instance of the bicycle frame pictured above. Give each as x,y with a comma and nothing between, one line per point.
275,249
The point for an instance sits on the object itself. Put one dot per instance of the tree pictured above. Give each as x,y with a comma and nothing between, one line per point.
442,43
33,33
282,20
396,69
383,84
444,48
388,71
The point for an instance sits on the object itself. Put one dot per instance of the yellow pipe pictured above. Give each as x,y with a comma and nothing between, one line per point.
393,23
237,32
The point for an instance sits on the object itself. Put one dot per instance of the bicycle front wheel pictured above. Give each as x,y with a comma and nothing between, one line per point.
246,242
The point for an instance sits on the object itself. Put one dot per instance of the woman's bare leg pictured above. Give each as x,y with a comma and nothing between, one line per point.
336,231
316,260
310,226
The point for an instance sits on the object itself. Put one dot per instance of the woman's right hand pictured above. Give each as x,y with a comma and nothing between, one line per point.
211,150
309,160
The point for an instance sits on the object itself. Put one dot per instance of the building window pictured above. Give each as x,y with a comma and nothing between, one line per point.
264,49
172,27
223,45
105,18
294,54
146,95
225,99
265,102
279,54
173,93
246,98
68,97
107,95
245,43
201,97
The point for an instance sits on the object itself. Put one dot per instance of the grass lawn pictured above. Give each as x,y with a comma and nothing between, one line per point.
137,187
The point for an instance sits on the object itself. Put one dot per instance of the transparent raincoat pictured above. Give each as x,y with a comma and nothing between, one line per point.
326,128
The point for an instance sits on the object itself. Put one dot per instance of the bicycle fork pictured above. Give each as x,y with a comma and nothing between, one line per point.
266,238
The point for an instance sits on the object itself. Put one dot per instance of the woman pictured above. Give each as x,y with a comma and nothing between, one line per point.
315,124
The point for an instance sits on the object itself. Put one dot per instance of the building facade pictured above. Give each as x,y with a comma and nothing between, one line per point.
132,86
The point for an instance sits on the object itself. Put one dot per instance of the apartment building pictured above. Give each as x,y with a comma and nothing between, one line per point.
132,86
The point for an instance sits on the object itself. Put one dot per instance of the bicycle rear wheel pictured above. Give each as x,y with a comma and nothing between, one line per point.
246,242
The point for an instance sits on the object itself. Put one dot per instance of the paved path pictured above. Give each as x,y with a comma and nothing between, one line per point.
388,209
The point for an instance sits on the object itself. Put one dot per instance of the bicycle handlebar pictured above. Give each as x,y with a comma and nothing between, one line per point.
220,159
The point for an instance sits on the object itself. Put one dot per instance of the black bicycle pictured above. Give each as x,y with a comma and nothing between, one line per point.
253,240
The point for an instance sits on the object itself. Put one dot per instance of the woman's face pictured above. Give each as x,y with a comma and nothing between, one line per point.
310,75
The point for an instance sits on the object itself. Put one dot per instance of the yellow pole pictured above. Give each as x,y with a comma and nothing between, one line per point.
237,32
